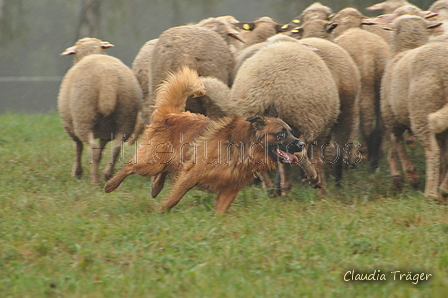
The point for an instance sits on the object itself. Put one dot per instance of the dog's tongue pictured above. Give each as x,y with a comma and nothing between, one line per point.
286,157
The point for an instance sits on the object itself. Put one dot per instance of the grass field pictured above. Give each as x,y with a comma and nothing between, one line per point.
62,237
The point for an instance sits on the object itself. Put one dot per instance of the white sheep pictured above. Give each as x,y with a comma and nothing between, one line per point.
370,53
415,98
99,98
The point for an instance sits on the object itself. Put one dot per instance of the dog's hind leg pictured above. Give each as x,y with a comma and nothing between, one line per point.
224,200
158,183
183,183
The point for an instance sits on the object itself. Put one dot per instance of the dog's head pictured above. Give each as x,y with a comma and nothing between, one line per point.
282,144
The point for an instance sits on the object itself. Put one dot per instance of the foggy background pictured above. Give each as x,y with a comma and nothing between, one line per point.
34,32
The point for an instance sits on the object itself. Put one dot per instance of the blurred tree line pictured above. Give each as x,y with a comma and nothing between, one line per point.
34,32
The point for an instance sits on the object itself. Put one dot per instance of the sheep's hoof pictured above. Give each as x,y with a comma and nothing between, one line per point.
397,181
415,182
96,181
77,173
321,192
273,192
107,176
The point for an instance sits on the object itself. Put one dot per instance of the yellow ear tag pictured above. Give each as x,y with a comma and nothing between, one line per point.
284,26
296,21
246,26
330,16
295,31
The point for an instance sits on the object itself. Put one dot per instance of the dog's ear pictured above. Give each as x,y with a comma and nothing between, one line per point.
272,111
257,122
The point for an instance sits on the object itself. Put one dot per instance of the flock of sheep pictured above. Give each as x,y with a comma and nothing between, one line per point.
335,78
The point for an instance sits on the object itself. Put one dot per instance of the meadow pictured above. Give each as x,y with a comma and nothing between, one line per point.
63,237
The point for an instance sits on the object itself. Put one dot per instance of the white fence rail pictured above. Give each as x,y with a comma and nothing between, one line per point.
31,79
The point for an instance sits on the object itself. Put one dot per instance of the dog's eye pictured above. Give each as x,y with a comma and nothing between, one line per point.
281,135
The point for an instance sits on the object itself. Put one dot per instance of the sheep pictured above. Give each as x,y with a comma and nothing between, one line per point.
381,20
313,28
225,26
370,53
201,49
414,98
99,97
440,12
441,8
347,78
312,12
296,79
141,69
388,6
141,66
260,30
241,56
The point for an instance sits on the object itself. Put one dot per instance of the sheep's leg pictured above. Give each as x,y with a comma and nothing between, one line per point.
369,113
115,151
408,167
313,172
95,153
444,169
333,157
224,200
392,158
183,183
266,181
158,183
283,173
77,167
432,155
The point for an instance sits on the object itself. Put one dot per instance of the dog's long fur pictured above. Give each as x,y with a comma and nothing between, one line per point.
222,156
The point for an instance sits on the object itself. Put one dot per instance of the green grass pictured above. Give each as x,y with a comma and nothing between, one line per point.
62,237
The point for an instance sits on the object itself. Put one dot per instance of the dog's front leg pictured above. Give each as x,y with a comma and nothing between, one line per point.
183,183
224,200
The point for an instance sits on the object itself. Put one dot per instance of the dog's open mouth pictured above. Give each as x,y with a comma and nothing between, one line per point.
285,157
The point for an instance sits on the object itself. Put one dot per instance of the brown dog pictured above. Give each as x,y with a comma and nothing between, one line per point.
222,156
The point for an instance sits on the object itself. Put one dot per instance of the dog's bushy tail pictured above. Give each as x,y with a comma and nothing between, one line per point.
172,94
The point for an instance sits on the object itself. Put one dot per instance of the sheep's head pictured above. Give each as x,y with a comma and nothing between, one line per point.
313,12
226,30
314,28
261,29
387,6
87,46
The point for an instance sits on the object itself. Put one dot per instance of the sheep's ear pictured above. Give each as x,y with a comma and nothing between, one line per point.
297,32
429,14
383,19
106,45
272,111
245,26
69,51
432,25
257,122
330,27
236,35
283,28
378,6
